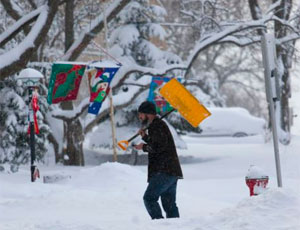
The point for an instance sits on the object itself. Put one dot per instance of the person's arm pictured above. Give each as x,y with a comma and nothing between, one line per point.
156,141
145,138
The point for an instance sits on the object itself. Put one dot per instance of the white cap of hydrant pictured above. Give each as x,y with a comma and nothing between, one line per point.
255,172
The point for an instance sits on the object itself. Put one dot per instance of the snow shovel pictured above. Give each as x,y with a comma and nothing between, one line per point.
124,144
183,101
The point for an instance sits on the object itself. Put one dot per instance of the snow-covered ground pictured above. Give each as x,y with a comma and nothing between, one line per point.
213,194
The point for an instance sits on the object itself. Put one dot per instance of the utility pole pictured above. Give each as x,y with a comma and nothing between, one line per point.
272,91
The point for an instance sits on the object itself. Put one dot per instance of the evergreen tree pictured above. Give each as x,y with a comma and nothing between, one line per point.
14,138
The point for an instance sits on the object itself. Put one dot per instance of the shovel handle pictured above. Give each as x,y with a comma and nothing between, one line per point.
122,143
134,136
166,114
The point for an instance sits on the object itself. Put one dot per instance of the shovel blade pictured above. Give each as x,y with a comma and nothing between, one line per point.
186,104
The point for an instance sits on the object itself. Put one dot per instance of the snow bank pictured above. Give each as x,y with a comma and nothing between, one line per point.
276,207
110,174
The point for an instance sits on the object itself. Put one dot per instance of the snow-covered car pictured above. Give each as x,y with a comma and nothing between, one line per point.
234,121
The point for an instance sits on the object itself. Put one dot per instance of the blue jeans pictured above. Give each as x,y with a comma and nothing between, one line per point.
163,186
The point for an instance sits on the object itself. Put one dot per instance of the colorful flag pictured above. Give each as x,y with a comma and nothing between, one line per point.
99,82
65,81
162,105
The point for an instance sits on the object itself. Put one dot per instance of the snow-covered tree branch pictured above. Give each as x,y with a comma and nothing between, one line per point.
20,24
17,58
97,25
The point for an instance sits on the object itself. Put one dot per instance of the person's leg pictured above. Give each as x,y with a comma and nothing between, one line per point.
158,184
168,200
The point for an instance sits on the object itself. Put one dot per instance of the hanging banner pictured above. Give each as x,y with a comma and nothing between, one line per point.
162,106
64,81
99,81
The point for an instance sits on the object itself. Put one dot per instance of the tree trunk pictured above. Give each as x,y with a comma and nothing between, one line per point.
73,138
283,56
73,154
255,12
73,131
52,140
69,21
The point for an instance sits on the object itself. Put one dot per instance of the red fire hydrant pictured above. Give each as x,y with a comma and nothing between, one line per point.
256,180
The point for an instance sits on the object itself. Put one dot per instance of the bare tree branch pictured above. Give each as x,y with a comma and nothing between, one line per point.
229,31
147,71
242,85
240,41
287,24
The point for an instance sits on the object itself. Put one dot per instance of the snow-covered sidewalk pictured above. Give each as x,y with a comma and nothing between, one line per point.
212,196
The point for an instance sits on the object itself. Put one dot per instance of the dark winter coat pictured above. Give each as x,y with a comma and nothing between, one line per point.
161,150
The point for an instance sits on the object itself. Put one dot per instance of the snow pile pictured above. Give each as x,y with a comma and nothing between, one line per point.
275,207
110,175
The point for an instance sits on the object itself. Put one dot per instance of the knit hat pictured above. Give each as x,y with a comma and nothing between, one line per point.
147,107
